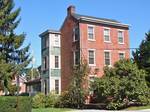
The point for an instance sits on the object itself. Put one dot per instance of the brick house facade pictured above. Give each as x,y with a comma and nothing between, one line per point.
100,41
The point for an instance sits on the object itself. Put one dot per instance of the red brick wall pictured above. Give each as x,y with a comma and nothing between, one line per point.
99,45
66,52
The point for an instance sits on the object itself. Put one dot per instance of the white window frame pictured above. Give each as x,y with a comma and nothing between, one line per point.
106,28
58,62
122,36
74,55
58,38
94,57
109,57
58,86
74,31
93,32
123,52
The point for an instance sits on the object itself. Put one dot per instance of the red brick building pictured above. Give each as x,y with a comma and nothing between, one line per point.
100,41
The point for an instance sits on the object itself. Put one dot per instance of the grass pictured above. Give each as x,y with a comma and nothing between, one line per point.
138,107
51,110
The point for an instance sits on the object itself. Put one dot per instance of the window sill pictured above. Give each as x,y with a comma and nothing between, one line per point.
107,41
91,40
120,43
92,64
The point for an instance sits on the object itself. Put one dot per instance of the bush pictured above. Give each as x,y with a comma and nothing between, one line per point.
51,100
122,86
9,104
38,101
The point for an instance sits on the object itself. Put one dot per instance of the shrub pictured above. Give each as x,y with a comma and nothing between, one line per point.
51,100
38,101
122,86
9,104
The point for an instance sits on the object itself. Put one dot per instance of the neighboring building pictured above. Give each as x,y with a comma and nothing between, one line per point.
99,41
51,65
33,86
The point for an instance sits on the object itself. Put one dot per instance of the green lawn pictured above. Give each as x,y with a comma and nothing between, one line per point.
50,110
138,107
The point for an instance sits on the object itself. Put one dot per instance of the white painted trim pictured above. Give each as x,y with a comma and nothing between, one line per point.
88,25
106,28
58,62
123,52
94,57
122,36
109,57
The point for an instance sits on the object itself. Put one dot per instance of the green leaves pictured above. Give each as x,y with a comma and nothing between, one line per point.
142,56
121,85
13,57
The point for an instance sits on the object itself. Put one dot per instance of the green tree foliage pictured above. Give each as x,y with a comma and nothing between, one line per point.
121,86
75,96
13,57
142,56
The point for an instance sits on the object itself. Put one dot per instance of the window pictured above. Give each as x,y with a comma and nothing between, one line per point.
121,56
91,57
45,62
45,42
76,34
106,35
107,58
120,37
56,40
76,57
56,86
90,32
56,61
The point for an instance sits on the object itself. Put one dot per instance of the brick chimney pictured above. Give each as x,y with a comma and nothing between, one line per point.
70,10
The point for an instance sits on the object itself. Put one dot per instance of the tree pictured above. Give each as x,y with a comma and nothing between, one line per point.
75,96
122,85
142,56
13,56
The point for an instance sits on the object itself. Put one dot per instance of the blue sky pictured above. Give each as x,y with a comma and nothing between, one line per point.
40,15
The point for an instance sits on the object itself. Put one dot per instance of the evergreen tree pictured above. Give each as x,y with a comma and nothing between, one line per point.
13,57
142,56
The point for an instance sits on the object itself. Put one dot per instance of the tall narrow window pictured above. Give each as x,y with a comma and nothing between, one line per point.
56,40
57,86
45,62
91,57
46,42
120,37
56,61
76,34
90,32
107,58
121,56
76,57
106,35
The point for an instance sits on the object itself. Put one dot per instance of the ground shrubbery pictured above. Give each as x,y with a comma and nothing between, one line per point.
9,104
40,100
122,86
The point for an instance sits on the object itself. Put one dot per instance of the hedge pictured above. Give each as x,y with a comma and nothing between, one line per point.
9,104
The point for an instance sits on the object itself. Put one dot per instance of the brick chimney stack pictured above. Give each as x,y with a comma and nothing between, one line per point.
71,10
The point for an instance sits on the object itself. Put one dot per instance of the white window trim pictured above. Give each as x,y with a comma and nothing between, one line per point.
109,35
94,57
93,32
58,62
110,58
74,57
74,34
58,40
122,37
123,53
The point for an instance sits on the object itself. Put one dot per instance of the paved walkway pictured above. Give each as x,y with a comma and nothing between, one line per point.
88,110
